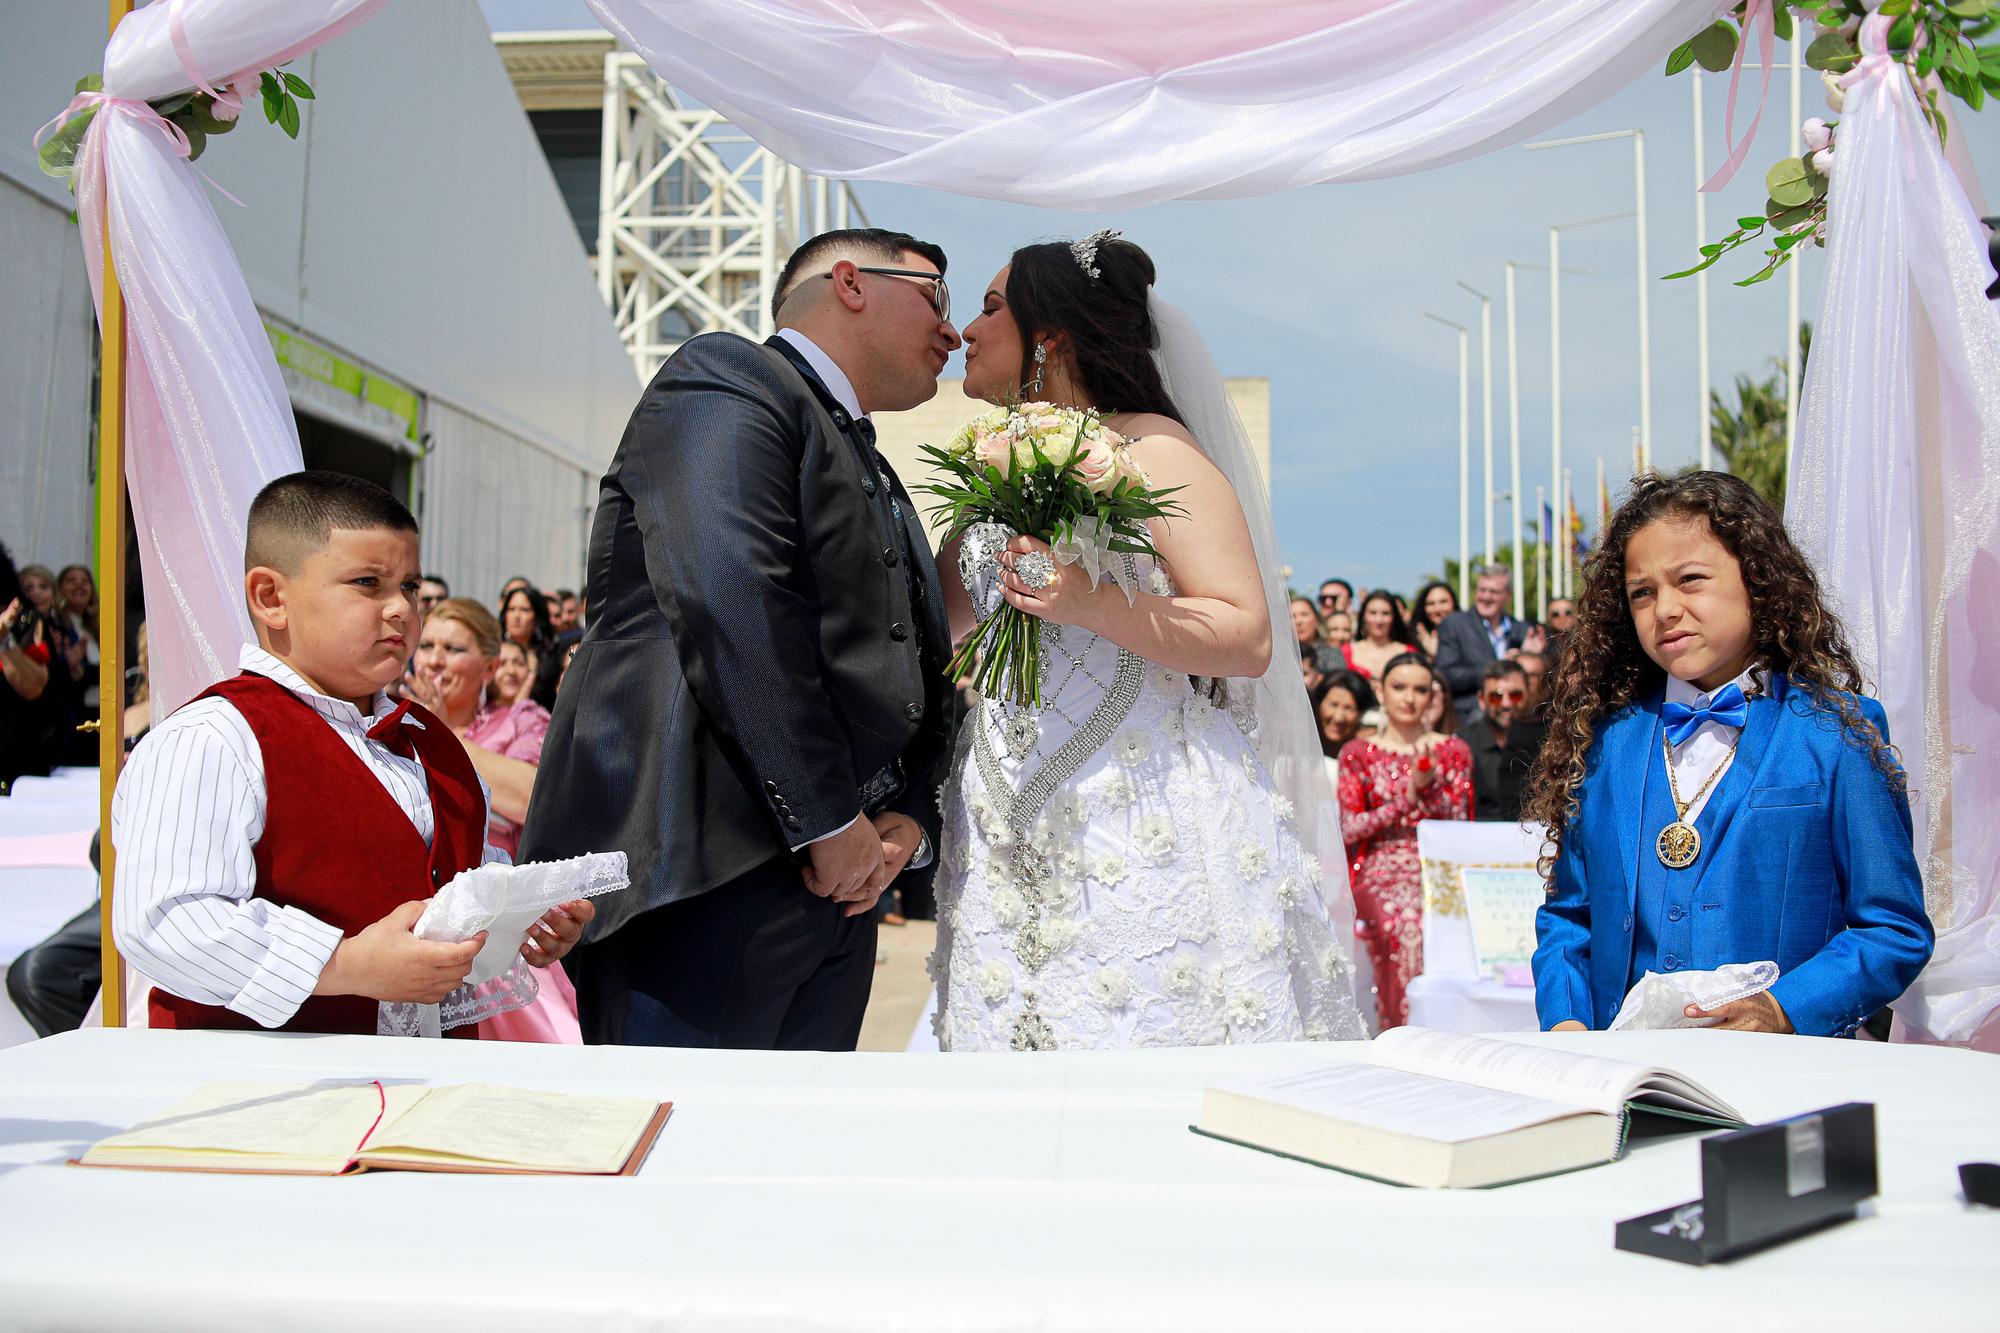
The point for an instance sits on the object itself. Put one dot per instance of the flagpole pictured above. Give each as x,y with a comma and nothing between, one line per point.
1514,449
110,600
1541,559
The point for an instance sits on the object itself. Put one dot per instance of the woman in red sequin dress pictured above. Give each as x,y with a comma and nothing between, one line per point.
1403,774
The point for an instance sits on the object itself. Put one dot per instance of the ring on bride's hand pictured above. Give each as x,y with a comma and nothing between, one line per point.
1035,569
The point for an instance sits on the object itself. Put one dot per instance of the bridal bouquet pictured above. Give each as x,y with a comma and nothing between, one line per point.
1051,472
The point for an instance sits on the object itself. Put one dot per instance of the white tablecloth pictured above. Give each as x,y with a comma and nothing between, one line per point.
1055,1191
1470,1004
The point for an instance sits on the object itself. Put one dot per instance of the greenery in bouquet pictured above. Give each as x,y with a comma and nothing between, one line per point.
1056,473
1932,39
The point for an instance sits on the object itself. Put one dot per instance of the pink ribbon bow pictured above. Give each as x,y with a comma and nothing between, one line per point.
1767,33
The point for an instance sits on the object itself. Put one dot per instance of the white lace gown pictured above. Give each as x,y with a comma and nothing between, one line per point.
1120,871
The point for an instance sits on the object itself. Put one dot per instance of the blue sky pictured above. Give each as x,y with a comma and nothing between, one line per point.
1322,290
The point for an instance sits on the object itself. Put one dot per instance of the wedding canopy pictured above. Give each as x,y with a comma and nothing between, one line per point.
1119,103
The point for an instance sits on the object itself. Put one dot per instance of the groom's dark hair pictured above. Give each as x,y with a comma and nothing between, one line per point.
825,248
1105,315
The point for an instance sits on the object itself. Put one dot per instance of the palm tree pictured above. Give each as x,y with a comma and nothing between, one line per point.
1751,435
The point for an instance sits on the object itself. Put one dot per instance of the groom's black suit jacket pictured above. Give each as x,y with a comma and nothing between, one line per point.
766,633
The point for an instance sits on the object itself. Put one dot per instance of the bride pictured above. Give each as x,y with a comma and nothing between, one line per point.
1149,859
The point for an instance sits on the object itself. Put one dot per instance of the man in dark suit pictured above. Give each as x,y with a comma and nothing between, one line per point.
758,715
1504,742
1468,640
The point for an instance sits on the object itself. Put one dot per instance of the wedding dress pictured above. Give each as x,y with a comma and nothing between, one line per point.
1148,860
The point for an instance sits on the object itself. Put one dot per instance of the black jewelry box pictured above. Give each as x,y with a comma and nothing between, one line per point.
1766,1185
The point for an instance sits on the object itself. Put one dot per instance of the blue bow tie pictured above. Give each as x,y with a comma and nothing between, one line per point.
1728,707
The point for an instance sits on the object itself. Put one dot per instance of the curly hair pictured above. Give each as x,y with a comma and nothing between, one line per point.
1603,668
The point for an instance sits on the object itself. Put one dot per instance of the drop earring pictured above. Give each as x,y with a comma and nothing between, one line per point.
1041,361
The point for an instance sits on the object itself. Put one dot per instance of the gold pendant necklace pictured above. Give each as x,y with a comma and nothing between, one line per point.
1679,843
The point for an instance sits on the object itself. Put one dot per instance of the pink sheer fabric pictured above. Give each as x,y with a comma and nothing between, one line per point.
1896,496
1122,103
207,418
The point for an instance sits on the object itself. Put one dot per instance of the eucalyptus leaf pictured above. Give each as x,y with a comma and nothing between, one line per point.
1894,8
1829,47
1785,219
197,141
299,87
173,106
1968,9
205,117
57,156
1682,57
1781,22
1714,47
89,83
1790,182
1902,33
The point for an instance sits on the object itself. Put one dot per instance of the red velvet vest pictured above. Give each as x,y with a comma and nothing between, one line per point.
336,844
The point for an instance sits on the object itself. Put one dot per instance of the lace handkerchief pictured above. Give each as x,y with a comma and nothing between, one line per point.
1660,999
504,901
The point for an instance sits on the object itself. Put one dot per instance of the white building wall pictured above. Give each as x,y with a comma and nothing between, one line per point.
412,229
46,348
494,506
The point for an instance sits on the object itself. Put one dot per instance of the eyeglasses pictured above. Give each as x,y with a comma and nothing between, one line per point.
1507,696
1329,599
940,294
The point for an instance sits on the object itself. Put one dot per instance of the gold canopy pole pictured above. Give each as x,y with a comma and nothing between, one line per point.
111,593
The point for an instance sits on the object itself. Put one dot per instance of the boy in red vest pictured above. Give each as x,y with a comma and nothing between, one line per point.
277,836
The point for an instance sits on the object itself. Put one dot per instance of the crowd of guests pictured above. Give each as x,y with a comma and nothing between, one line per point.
1426,711
48,667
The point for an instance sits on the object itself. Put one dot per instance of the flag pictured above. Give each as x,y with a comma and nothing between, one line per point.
1577,543
1604,508
1548,532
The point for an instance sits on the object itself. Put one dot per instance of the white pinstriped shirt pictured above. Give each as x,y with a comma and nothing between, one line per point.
185,819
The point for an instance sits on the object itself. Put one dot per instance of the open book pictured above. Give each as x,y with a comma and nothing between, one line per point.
1439,1110
327,1129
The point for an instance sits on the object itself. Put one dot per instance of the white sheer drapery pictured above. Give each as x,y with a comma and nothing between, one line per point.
1122,103
1895,494
207,420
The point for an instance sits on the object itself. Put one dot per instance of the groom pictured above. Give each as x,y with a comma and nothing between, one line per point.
758,716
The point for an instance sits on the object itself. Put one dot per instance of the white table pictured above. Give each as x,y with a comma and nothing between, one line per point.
1051,1192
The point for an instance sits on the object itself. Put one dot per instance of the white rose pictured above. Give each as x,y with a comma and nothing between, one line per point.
1110,987
1822,162
996,982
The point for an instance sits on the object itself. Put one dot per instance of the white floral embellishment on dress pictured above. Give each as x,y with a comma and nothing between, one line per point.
996,981
1264,938
1246,1009
1252,860
1182,974
1007,908
1154,836
1132,748
1110,870
1111,987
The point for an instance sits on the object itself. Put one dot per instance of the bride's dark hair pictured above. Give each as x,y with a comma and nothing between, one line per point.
1110,330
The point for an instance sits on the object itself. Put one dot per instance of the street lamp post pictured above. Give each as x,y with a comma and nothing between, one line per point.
1558,570
1486,408
1638,138
1464,461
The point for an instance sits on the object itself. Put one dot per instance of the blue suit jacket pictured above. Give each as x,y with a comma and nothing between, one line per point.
1805,860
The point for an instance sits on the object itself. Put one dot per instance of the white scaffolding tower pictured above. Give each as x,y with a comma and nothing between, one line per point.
695,218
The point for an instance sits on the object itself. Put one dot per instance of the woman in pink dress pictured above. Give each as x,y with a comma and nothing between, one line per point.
1382,638
1388,782
457,659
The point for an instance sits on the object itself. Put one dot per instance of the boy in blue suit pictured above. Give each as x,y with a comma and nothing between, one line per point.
1717,788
